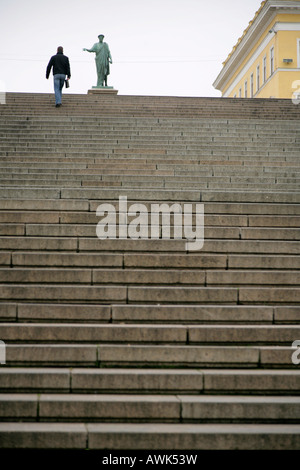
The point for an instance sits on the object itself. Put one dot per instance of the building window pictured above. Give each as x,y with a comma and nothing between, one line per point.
240,93
272,60
251,85
265,68
246,89
257,78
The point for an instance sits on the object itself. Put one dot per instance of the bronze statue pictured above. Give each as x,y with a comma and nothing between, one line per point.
103,59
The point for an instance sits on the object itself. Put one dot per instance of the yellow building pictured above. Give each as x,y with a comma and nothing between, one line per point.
265,62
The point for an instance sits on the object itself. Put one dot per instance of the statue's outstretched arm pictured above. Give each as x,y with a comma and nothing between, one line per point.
88,50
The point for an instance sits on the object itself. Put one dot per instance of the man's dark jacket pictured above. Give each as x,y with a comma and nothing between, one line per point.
60,64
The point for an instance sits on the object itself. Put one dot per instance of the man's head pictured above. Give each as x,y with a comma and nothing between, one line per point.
60,49
100,37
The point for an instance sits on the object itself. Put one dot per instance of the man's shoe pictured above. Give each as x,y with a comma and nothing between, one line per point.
58,105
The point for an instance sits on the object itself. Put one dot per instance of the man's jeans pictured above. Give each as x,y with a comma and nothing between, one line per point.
59,80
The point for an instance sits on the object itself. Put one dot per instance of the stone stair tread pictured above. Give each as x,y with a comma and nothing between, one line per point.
151,380
160,408
143,260
116,333
149,436
142,355
168,276
152,294
183,314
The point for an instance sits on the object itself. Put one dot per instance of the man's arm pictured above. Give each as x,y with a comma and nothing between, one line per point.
68,69
48,70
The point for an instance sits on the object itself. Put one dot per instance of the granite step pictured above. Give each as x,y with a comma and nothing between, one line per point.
149,408
150,261
49,379
147,277
149,356
171,437
149,314
35,333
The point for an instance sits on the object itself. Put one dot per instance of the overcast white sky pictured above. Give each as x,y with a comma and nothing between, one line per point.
159,47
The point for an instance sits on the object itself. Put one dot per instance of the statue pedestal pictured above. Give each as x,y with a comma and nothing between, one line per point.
102,90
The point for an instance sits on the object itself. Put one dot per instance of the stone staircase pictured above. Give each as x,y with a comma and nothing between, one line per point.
142,344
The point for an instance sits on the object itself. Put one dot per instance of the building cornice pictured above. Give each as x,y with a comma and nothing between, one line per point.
265,15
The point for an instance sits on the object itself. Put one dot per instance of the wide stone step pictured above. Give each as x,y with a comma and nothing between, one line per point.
149,408
256,128
140,122
151,295
149,261
140,184
139,333
114,153
172,134
219,246
90,218
156,146
156,110
208,129
85,230
144,195
37,219
80,230
14,176
90,158
151,436
282,188
105,152
148,380
147,230
170,131
162,131
47,205
182,356
72,159
183,314
148,276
